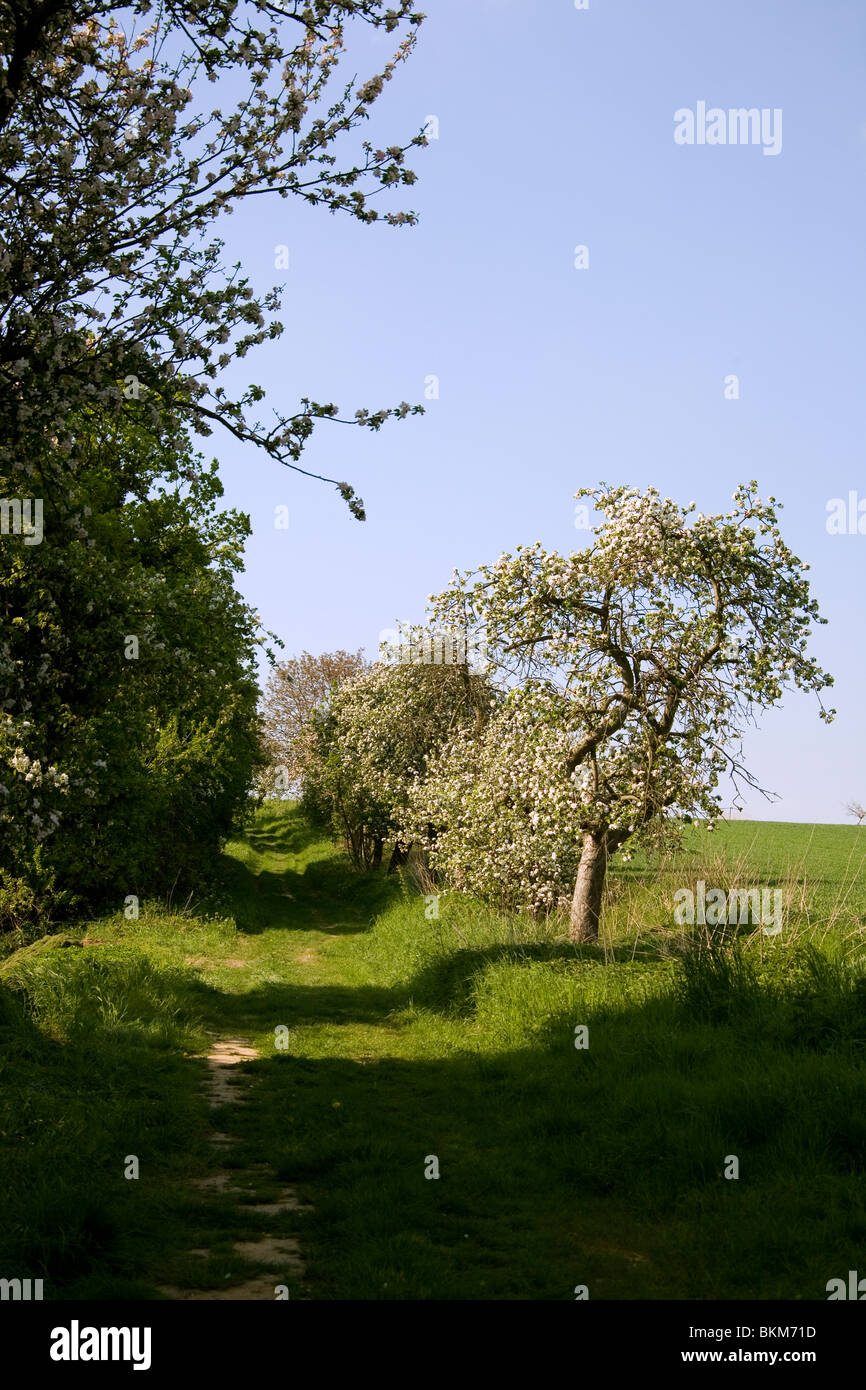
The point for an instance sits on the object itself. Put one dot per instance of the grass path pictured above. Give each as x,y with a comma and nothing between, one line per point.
406,1114
554,1167
357,1090
279,1253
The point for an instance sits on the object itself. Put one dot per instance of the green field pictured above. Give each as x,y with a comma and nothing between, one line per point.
412,1036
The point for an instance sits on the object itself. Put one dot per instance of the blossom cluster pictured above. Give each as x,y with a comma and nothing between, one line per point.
28,800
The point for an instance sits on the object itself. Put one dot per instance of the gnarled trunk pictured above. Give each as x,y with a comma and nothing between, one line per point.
588,887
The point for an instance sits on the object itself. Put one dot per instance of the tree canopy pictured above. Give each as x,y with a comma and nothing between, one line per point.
129,735
634,666
295,690
375,739
128,677
125,133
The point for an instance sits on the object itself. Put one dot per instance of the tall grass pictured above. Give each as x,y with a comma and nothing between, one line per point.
516,974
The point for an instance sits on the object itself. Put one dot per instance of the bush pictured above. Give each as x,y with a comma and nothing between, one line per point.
135,759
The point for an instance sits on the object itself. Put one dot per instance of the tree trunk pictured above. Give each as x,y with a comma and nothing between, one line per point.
377,851
399,856
588,888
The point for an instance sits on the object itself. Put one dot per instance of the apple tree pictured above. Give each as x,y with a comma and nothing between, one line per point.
633,667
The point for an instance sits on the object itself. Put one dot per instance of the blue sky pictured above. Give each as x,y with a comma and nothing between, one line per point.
556,130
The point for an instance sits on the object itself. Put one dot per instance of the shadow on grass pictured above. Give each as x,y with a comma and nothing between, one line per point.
286,833
325,895
447,982
100,1078
554,1168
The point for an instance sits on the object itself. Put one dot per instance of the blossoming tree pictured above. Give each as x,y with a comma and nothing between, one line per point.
128,692
126,132
113,173
634,666
496,810
374,742
295,689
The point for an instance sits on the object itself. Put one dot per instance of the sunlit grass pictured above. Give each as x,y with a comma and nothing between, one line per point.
426,1025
